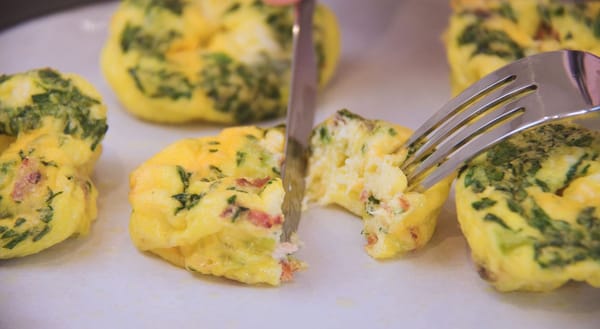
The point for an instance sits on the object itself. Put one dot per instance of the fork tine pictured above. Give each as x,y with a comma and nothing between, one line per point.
458,103
514,88
475,137
562,84
485,85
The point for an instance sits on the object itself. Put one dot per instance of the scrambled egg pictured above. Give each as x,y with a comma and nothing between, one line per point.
485,35
355,163
530,209
51,126
222,61
213,205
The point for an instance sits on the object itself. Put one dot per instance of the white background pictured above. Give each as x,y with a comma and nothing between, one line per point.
393,67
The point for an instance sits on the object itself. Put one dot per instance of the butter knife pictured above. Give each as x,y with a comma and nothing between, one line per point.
300,116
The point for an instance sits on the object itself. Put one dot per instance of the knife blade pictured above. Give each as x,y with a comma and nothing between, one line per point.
300,116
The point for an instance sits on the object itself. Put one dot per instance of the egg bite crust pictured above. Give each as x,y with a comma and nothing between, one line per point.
483,36
355,163
51,127
212,205
221,61
530,209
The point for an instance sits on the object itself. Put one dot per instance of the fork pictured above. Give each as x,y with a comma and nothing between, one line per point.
527,93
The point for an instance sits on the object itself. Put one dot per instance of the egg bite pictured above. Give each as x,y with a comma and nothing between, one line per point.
51,128
355,163
483,36
529,208
221,61
212,205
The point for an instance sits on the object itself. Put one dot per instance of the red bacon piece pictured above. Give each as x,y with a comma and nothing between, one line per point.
258,182
404,203
28,177
287,270
261,218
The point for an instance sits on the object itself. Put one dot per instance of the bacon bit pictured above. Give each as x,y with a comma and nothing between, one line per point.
27,177
414,233
404,203
258,182
227,212
546,31
371,239
261,218
287,269
485,274
364,195
481,13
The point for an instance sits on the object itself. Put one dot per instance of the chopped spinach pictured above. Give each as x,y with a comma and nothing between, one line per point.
483,203
187,200
161,83
63,102
490,42
249,92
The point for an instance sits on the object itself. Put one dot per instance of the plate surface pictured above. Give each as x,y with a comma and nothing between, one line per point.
393,67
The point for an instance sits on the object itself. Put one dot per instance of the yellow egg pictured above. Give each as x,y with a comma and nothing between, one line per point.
530,219
530,209
213,205
222,61
485,35
51,126
355,163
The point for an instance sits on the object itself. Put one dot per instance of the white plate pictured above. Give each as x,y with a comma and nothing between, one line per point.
393,67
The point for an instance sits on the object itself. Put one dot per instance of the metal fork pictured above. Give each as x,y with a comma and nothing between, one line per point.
529,92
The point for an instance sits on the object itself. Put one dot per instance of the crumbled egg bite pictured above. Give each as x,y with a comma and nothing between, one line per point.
51,126
213,205
355,163
530,209
222,61
485,35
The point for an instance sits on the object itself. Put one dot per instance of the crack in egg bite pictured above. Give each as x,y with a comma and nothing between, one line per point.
213,205
355,163
221,61
485,35
51,127
530,209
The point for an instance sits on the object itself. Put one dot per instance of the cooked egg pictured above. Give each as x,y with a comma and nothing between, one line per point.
355,163
221,61
485,35
213,205
51,127
530,211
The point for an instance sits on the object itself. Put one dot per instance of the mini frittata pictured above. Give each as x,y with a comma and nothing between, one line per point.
213,205
355,163
51,127
486,35
224,61
530,209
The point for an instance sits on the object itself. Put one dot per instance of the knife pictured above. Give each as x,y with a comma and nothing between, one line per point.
300,116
